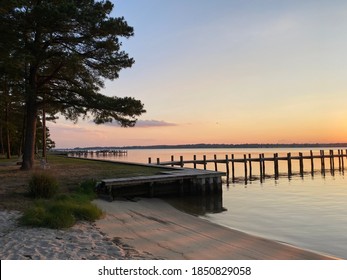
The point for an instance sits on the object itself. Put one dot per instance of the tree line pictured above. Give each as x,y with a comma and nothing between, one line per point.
54,59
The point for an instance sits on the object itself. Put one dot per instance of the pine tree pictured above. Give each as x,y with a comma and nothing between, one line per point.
65,49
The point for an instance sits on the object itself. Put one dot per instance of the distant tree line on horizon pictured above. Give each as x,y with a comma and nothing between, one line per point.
217,146
54,58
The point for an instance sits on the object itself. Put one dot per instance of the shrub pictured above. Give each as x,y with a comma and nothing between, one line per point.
61,212
43,185
59,215
34,216
88,188
48,215
64,209
87,212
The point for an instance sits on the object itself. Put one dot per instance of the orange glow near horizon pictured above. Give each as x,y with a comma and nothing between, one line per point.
92,135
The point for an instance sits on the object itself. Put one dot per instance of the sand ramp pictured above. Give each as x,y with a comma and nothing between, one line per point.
154,227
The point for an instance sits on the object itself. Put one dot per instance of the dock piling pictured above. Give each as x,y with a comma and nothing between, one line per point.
276,165
260,168
342,161
312,163
245,167
250,166
301,164
248,163
215,163
233,168
227,168
289,160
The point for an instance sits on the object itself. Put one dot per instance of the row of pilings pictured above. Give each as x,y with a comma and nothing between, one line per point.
331,160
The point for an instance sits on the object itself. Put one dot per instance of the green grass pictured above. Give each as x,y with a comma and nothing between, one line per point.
64,209
43,185
5,162
72,171
76,178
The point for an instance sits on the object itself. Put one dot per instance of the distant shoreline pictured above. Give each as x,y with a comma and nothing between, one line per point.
215,146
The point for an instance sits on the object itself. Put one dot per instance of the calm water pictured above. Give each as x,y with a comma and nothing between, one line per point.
309,212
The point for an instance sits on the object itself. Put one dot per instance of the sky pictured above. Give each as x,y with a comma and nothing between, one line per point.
228,71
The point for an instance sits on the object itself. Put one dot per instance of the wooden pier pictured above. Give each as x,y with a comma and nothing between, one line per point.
176,181
326,162
97,153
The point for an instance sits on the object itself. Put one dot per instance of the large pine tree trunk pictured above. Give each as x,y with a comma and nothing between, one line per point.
8,144
31,121
2,148
21,146
30,136
8,138
44,138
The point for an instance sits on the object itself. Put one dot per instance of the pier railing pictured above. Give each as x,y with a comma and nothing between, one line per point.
326,162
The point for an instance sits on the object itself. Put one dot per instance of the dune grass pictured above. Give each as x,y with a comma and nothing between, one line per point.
43,185
63,210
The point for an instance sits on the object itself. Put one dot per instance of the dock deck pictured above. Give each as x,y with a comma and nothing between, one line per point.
174,181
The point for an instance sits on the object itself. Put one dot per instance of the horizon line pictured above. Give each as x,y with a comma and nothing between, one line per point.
205,145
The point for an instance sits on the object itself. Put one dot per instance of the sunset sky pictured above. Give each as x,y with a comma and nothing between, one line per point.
228,71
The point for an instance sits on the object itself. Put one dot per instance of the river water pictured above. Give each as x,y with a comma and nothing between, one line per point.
308,212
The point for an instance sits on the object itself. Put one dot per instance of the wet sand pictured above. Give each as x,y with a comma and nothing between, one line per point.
154,227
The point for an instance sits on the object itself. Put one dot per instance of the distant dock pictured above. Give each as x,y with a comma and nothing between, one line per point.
97,153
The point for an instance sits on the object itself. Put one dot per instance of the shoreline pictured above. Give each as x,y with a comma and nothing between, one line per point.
155,227
145,229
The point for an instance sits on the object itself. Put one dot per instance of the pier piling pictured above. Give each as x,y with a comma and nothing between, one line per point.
289,161
233,167
248,168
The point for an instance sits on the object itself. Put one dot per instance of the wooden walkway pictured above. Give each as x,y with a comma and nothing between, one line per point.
174,181
326,160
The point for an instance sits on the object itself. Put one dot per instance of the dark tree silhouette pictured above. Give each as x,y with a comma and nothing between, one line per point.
64,50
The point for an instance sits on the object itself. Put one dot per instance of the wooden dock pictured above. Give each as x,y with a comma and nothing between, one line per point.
97,153
174,181
326,160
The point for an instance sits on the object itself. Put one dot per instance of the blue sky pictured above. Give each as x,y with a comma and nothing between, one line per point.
229,72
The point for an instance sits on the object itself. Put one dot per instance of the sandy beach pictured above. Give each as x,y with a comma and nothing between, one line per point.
145,229
81,242
155,227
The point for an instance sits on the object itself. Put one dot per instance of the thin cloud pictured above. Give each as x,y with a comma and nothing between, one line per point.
153,123
144,123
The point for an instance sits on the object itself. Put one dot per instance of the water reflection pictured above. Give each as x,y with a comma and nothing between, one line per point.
198,205
309,211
